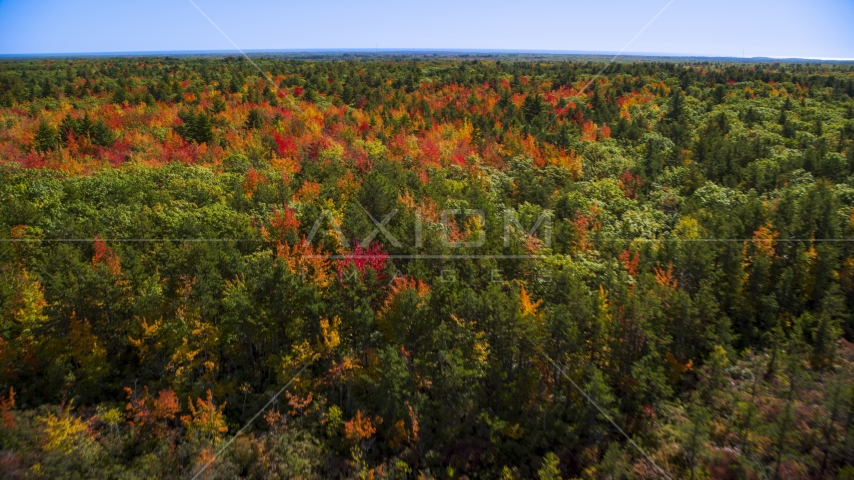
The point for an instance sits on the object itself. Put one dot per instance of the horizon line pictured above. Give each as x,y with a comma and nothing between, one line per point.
377,51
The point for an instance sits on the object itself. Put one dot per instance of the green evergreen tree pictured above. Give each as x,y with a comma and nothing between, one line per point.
47,138
254,120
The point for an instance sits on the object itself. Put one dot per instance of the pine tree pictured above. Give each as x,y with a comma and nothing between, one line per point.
101,134
677,104
254,120
531,107
218,105
197,127
700,418
47,138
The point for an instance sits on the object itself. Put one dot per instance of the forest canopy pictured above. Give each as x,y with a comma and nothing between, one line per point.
449,268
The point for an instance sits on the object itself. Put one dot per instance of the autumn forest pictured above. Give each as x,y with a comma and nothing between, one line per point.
426,268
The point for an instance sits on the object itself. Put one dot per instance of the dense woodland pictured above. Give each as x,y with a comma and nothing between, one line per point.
693,273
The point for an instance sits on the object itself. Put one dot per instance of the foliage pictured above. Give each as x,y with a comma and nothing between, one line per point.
427,235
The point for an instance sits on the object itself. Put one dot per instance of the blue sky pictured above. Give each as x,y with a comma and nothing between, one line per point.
774,28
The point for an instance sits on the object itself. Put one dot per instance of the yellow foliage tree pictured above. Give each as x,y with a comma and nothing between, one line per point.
63,433
28,311
206,421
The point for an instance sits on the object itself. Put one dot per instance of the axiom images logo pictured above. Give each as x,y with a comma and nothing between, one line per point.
327,223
